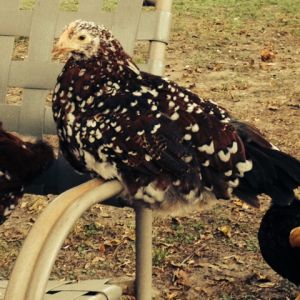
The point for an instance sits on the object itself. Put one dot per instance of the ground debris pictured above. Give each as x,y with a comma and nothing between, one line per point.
267,55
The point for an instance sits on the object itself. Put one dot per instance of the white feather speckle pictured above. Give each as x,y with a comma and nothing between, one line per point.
104,169
224,156
175,116
57,87
188,159
90,100
155,128
187,137
6,212
148,157
195,128
91,123
154,93
7,176
205,163
177,182
233,183
118,150
118,128
137,93
171,104
228,173
133,103
186,99
207,148
244,167
234,148
98,134
81,72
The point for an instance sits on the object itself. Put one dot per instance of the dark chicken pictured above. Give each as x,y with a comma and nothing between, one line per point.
279,240
163,142
20,163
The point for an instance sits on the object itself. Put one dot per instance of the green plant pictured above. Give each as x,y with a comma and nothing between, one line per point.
252,245
91,229
159,256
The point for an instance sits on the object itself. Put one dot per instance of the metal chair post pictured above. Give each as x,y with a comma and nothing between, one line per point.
143,246
143,214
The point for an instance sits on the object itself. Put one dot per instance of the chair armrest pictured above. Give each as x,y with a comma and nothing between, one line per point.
59,177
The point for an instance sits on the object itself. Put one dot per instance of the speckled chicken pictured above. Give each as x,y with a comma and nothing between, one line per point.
20,163
165,144
279,240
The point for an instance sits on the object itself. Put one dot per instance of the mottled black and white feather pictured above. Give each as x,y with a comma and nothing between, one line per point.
163,142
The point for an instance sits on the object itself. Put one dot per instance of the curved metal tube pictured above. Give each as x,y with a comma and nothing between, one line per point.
143,253
35,261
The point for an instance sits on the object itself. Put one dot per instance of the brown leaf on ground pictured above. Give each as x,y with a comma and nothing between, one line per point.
273,107
181,277
101,248
267,55
226,230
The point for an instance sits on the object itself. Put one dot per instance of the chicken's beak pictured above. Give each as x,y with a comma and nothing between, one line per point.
57,52
62,46
294,238
61,49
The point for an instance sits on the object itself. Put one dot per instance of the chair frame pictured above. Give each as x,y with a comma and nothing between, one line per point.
53,225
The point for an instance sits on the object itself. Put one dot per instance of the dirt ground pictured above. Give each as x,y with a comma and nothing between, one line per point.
249,65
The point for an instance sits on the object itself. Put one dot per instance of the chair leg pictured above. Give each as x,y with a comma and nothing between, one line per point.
143,253
36,259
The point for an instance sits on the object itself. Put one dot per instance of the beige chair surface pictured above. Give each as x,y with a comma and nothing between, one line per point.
37,73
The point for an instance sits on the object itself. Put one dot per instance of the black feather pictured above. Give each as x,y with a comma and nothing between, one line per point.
273,236
20,163
274,173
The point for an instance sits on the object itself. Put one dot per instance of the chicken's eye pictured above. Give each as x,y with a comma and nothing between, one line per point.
82,37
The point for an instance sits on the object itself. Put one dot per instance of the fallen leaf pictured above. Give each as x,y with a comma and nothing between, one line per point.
97,259
266,284
101,248
241,204
182,278
223,278
273,107
172,295
267,55
226,230
208,265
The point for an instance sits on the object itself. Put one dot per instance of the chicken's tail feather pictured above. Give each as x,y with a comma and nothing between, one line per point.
274,173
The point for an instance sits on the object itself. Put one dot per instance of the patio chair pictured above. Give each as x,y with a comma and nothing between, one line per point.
36,75
68,290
